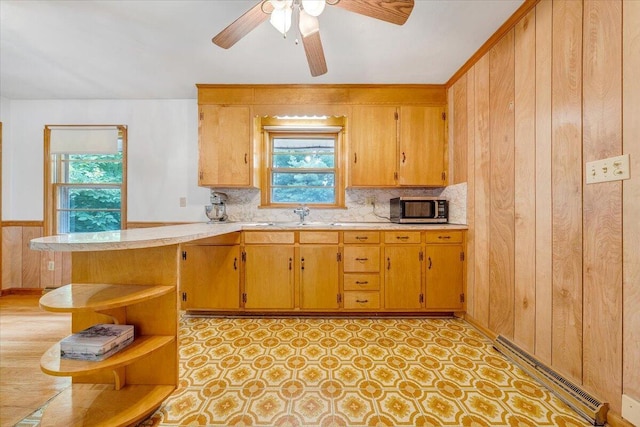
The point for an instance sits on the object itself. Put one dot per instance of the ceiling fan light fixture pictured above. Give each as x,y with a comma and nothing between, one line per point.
281,19
280,4
313,7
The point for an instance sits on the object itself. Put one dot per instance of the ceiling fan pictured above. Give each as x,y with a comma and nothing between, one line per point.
304,15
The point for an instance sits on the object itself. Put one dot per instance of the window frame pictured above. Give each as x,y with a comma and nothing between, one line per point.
273,127
51,188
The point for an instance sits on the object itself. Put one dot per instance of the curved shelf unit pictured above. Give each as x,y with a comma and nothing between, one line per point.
137,387
52,364
99,296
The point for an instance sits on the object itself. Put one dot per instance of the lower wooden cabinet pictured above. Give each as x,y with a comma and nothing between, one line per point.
325,271
268,277
445,271
403,256
210,277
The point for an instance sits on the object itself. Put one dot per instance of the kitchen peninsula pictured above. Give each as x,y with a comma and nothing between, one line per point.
137,277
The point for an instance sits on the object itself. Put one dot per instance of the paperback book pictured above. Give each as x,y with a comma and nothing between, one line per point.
97,342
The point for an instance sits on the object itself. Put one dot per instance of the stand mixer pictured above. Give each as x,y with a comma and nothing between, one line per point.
217,210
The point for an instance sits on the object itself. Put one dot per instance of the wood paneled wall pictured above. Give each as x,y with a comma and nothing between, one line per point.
23,268
555,256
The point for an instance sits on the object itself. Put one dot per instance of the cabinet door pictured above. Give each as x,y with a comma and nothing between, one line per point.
445,268
224,146
319,273
373,146
269,277
210,278
403,277
422,145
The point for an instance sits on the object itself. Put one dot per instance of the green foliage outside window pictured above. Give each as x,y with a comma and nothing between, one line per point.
92,200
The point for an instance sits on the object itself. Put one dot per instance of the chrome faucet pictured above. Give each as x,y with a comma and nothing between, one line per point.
301,211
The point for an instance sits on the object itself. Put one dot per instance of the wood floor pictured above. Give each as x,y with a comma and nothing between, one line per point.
26,331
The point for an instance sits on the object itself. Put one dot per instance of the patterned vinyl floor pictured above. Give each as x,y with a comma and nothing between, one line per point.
350,372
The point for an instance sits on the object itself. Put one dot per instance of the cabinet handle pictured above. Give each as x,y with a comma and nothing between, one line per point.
444,237
402,237
404,157
362,259
362,301
430,264
355,157
361,238
388,263
361,283
290,261
302,263
235,263
246,160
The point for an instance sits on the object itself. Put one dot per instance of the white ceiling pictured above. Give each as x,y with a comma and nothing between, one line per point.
145,49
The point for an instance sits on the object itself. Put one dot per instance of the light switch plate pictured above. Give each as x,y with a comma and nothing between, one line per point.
611,169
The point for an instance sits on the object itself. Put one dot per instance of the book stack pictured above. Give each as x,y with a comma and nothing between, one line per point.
97,342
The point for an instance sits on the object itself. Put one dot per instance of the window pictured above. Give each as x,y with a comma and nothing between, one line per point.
303,166
86,178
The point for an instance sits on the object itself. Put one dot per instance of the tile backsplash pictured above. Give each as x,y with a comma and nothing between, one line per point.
243,205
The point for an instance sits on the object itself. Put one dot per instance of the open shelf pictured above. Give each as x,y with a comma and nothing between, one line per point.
100,405
97,296
51,363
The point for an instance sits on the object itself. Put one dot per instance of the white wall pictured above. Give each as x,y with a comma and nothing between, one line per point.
162,154
162,164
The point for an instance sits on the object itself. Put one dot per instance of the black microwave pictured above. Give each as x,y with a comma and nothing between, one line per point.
418,210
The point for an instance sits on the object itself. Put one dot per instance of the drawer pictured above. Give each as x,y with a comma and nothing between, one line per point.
358,237
361,282
361,259
402,237
311,237
271,237
364,300
444,236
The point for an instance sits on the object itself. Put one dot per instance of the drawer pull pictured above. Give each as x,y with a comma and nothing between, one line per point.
402,237
362,301
361,238
362,259
444,237
362,283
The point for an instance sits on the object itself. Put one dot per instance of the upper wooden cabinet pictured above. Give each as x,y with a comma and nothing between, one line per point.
397,146
224,146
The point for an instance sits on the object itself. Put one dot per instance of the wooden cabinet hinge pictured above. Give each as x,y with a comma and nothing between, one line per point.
421,298
421,256
201,115
244,298
395,176
339,298
396,116
184,296
184,255
461,256
244,257
461,297
444,176
338,257
444,116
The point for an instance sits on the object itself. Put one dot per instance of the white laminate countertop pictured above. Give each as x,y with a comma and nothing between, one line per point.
173,234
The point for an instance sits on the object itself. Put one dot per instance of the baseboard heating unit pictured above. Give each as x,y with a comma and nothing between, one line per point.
580,401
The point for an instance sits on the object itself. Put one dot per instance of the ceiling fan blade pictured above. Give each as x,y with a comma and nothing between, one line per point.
243,25
394,11
310,32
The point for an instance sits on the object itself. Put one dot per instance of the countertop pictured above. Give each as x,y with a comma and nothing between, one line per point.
173,234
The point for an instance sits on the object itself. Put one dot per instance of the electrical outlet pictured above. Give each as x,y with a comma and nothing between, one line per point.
183,202
370,201
51,266
611,169
631,409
